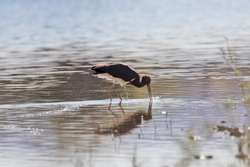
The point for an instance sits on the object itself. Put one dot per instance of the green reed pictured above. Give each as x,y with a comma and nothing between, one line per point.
231,59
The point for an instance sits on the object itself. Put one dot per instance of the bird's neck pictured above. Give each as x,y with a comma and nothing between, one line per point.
136,82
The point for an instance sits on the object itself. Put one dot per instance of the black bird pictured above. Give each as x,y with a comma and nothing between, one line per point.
121,74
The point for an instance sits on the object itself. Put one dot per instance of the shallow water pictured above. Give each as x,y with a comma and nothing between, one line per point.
53,113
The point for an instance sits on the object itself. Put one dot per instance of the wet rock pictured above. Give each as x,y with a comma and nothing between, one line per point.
199,157
209,156
242,156
234,132
202,157
194,137
221,128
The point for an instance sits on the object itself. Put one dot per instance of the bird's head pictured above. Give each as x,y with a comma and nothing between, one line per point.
147,80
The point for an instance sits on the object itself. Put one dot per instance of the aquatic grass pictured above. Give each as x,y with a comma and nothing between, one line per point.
231,59
242,138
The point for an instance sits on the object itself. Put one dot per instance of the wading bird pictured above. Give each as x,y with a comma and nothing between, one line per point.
121,74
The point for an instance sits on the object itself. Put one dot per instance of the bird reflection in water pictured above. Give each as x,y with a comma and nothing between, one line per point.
126,123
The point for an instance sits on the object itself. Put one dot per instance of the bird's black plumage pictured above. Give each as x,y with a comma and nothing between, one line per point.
121,74
117,70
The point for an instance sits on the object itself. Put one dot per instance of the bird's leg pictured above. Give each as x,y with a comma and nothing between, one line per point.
110,106
109,91
120,93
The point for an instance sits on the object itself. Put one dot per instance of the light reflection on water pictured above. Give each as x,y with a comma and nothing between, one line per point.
53,113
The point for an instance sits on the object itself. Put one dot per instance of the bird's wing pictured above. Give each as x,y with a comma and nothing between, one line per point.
117,70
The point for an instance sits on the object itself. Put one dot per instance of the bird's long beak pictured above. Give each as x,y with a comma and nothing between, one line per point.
149,92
